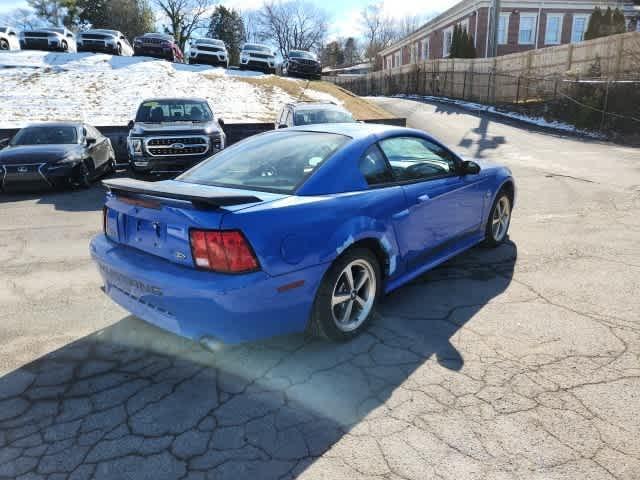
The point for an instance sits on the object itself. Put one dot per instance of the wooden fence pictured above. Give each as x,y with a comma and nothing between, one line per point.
529,76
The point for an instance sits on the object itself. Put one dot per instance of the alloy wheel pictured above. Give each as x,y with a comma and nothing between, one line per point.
500,219
353,295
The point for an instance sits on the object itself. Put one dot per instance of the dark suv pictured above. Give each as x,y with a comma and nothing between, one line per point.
157,45
170,135
302,64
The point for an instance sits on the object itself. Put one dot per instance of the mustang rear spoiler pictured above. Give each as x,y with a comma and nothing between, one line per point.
199,197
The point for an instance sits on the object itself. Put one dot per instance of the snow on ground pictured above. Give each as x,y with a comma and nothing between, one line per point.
479,107
105,90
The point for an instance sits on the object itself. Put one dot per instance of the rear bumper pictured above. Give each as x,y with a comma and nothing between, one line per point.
197,304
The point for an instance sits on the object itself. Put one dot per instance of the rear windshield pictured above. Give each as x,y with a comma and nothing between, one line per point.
309,117
158,111
46,135
277,162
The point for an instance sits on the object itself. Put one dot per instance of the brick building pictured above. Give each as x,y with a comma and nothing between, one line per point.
523,25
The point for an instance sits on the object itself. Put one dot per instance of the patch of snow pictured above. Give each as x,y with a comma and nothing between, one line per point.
479,107
101,89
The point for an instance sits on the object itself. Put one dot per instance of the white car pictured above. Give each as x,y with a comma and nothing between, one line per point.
254,56
49,38
106,41
209,51
9,39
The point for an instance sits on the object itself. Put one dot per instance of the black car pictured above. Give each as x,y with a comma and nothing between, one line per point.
302,64
55,155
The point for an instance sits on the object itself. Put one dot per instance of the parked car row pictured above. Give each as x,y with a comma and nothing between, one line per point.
167,137
208,51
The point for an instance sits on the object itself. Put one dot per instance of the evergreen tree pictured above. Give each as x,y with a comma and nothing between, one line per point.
602,24
227,25
607,23
470,48
619,24
454,49
593,29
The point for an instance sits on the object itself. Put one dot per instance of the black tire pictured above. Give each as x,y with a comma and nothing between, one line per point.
4,45
323,322
64,46
84,177
493,238
119,50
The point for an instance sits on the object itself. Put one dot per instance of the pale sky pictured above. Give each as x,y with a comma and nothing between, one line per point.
344,13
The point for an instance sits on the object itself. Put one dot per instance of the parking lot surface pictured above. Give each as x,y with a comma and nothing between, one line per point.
515,363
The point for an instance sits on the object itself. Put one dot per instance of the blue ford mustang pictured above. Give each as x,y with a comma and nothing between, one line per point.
293,230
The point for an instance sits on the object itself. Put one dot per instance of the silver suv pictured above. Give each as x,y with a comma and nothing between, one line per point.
107,41
209,51
49,38
254,56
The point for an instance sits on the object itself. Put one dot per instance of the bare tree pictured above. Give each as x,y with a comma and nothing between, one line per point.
21,18
293,24
185,16
252,28
380,30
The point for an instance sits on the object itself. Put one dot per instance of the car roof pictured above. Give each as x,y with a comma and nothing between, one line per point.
209,40
107,30
177,99
317,106
354,130
56,124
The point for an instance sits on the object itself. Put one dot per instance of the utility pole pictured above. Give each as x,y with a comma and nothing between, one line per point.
493,28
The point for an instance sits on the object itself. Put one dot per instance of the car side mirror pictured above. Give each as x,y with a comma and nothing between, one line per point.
470,168
130,124
4,142
221,122
283,125
91,140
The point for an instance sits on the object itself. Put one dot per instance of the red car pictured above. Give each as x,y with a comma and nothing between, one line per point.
157,45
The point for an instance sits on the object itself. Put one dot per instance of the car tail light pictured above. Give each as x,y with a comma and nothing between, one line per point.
225,251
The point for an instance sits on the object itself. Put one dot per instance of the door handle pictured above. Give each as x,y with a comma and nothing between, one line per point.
424,198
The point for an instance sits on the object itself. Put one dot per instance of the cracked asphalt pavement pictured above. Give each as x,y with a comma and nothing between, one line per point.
515,363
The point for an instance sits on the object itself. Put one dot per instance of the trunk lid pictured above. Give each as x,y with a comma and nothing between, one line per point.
156,217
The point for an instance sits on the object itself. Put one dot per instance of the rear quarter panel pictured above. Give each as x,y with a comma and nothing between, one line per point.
298,232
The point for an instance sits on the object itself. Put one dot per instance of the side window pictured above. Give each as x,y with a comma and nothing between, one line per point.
414,158
374,167
289,119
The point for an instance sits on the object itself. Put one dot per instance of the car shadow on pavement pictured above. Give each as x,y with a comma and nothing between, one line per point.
66,200
131,401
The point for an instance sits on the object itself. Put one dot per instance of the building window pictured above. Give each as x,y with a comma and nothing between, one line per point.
447,38
578,28
527,33
553,29
397,60
425,48
503,29
414,52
